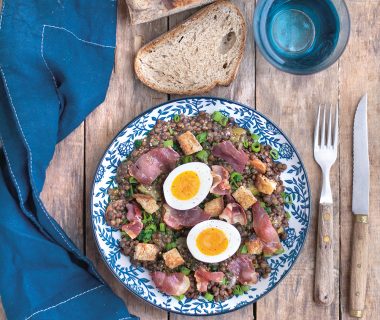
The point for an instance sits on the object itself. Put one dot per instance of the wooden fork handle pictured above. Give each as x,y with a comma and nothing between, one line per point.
359,265
324,260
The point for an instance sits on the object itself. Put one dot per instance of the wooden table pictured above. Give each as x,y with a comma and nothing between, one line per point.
291,102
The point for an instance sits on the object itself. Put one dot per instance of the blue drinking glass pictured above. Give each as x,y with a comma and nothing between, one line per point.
301,36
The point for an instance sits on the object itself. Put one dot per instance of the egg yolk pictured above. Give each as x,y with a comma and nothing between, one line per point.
186,185
212,241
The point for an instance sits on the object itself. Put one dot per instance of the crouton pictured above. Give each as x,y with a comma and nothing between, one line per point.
260,166
254,246
173,258
244,197
214,207
147,202
189,143
146,252
265,185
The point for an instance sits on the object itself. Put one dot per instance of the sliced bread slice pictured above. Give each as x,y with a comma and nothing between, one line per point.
194,57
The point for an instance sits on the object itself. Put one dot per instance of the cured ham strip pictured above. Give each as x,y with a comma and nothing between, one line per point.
227,151
151,164
203,278
173,284
234,213
265,230
135,225
243,269
177,219
220,183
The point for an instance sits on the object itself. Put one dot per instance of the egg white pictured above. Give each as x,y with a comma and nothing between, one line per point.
232,234
204,173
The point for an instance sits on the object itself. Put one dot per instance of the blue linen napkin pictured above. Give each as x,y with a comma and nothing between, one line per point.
56,58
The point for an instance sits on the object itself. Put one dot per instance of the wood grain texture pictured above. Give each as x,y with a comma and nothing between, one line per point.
359,267
324,259
63,190
359,73
292,102
126,98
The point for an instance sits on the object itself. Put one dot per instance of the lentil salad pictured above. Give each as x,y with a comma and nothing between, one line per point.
209,130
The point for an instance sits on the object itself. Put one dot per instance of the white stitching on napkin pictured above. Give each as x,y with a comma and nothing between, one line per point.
32,177
63,302
64,29
1,16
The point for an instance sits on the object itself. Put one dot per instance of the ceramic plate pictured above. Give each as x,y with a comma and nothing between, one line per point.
137,279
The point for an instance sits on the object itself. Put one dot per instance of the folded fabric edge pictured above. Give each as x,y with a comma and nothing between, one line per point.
87,301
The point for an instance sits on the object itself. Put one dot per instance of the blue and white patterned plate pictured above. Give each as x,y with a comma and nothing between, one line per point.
137,280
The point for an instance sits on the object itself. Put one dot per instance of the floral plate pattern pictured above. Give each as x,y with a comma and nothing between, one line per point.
137,279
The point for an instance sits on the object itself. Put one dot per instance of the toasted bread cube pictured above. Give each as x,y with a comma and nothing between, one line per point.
265,185
214,207
147,202
244,197
146,252
260,166
189,143
255,246
173,258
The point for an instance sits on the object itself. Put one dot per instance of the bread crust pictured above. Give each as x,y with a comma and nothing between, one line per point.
177,30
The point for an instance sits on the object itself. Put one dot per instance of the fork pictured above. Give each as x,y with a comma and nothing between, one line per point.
325,154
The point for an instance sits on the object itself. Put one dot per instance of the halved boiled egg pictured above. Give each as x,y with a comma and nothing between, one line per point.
213,241
187,185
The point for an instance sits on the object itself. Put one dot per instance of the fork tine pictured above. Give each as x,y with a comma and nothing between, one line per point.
323,140
336,130
316,129
329,137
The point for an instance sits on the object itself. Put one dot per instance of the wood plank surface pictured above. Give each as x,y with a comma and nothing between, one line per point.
126,98
359,73
291,102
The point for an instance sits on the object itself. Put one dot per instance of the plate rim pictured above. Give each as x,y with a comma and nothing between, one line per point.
209,98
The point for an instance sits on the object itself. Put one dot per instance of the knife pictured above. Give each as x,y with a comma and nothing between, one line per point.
360,209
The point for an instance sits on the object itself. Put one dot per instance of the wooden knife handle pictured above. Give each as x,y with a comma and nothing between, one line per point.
324,261
359,265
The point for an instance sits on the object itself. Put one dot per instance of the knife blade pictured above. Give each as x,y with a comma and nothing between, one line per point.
360,187
360,209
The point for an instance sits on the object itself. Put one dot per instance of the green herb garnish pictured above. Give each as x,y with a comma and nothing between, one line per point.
170,245
244,249
208,296
168,143
224,281
202,137
288,215
147,218
177,118
220,118
245,144
255,147
179,298
162,227
187,159
288,199
274,154
138,143
255,137
202,155
171,131
262,204
240,290
185,271
132,180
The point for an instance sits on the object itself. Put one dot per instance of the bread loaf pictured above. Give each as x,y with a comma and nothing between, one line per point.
198,54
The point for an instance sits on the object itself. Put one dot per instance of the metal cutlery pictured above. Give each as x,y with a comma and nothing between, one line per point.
325,154
360,209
